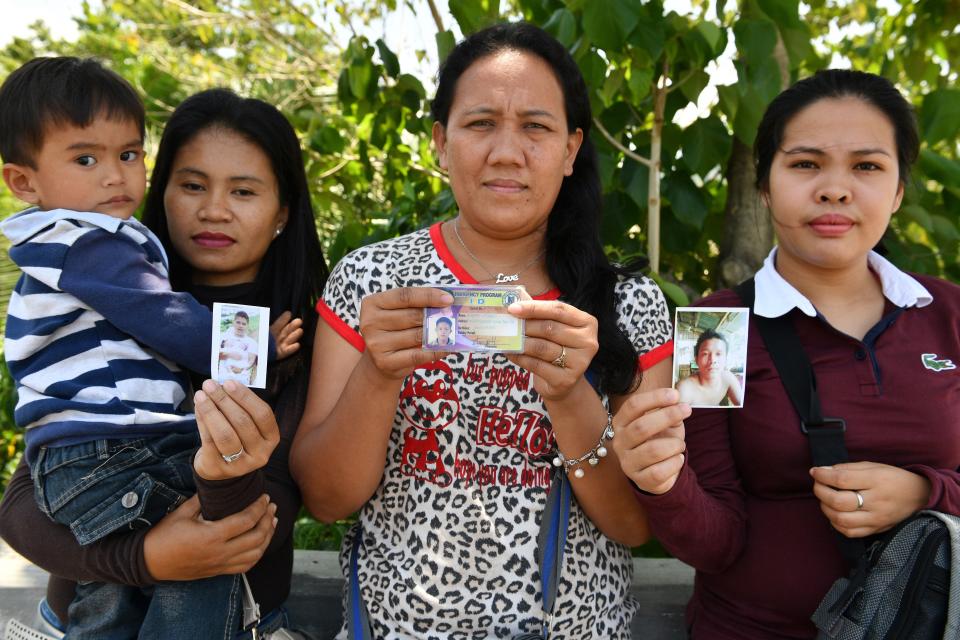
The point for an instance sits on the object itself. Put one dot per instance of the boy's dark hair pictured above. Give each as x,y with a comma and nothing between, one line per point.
709,334
241,314
60,91
447,321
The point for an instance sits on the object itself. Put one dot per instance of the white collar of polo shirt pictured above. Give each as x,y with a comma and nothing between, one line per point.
776,297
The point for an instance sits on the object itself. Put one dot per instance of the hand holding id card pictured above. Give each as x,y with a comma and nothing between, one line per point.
477,320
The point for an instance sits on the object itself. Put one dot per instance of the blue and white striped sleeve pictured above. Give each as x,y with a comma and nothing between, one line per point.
112,273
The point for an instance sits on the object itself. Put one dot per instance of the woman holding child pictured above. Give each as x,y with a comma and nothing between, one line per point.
449,460
745,506
230,204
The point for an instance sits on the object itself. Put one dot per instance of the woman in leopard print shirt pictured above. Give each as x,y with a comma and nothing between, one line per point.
449,460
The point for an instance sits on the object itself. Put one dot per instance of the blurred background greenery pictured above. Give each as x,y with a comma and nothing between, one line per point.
679,91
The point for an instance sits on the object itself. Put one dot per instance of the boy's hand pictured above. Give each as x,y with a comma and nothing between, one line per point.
286,334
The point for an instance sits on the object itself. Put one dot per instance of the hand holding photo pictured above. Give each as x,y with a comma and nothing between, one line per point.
240,344
477,320
710,356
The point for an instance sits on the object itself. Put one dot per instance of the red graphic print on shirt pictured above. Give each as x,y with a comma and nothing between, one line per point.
429,402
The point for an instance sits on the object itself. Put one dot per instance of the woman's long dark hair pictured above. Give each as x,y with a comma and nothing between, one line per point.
293,271
575,258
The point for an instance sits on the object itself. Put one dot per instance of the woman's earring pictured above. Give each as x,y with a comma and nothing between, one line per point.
276,234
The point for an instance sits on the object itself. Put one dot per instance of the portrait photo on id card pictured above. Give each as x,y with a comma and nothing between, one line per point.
710,355
240,344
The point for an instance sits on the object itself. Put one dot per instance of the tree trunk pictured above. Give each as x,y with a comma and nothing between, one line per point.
653,198
748,232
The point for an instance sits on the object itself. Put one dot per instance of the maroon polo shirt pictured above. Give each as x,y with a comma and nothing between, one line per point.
743,513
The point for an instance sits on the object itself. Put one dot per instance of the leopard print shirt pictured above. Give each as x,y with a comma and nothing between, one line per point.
449,537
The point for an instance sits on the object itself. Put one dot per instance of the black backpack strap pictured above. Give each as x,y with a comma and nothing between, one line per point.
824,435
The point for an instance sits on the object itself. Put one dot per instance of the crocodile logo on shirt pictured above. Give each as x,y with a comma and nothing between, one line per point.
931,362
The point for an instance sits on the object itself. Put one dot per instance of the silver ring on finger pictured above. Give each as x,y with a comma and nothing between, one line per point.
561,360
859,500
233,457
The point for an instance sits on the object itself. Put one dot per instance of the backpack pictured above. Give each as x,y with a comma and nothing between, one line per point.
906,584
905,587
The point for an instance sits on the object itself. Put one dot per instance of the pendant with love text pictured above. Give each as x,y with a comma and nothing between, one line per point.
502,278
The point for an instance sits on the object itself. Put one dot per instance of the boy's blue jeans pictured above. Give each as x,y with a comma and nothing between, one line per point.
105,486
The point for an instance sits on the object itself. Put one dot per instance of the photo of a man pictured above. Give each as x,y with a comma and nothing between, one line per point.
442,332
712,383
238,351
710,352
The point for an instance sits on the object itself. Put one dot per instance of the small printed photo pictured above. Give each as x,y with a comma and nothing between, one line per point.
240,344
710,355
441,329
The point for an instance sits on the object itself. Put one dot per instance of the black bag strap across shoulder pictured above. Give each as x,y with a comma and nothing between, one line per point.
824,435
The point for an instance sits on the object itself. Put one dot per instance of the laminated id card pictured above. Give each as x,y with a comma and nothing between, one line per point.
477,320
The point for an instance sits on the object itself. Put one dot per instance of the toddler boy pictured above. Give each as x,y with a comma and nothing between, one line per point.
93,332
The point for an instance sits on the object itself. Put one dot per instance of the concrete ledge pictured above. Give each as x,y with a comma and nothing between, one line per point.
662,587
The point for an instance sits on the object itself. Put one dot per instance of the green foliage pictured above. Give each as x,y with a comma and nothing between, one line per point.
364,124
915,48
11,438
310,534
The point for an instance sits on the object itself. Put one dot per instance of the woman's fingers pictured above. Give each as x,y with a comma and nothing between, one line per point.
389,320
248,546
238,399
386,343
238,431
660,476
649,438
572,356
838,500
226,421
183,546
560,342
391,323
559,312
843,510
645,415
215,435
557,328
415,297
864,498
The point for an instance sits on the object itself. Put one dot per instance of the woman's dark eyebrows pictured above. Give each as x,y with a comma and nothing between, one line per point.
484,110
203,174
539,113
819,152
871,151
798,150
190,171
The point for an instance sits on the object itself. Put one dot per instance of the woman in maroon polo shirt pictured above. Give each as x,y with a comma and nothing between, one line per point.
747,509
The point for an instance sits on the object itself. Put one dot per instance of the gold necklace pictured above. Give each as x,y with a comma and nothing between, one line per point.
501,278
